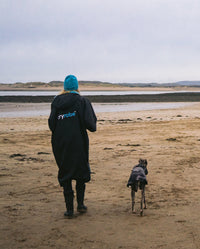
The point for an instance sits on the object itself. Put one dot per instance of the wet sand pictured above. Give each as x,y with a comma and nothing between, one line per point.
32,203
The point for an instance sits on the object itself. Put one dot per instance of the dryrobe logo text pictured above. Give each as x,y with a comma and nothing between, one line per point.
67,115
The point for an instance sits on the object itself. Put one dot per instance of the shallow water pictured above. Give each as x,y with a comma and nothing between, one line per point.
43,109
119,107
84,93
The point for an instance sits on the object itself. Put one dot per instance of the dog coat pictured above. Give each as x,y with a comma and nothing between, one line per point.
138,174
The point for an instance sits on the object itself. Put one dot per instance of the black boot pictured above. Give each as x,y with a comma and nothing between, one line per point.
69,200
80,192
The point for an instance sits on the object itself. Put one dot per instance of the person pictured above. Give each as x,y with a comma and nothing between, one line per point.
70,118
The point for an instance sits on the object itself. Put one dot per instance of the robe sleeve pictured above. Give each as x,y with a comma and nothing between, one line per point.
52,119
89,116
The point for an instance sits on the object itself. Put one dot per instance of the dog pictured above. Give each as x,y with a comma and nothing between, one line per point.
138,179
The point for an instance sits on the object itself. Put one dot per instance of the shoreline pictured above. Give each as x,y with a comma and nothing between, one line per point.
165,97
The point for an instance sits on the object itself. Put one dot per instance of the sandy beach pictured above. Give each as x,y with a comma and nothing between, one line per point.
32,203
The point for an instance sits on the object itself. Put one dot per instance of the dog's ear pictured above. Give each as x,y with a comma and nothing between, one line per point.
143,162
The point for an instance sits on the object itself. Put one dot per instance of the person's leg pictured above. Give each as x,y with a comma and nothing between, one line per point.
69,199
80,192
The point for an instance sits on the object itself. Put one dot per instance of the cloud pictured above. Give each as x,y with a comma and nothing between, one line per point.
117,41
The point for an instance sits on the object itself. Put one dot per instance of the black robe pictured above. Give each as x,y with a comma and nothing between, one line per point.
71,115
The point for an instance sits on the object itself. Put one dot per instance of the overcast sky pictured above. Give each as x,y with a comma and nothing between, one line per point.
105,40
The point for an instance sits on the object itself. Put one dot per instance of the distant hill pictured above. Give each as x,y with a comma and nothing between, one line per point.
100,83
19,85
186,83
174,84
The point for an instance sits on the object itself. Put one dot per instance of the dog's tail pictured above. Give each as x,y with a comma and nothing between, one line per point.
134,186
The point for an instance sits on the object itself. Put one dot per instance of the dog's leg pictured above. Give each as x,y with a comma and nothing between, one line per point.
142,201
133,199
145,206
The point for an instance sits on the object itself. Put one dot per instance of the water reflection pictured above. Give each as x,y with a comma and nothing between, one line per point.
119,107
